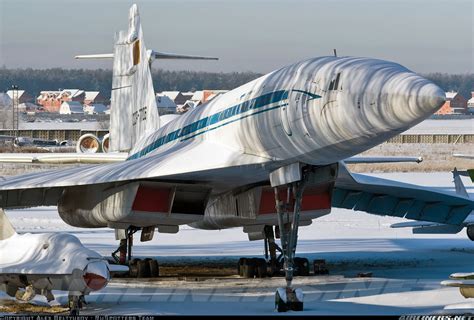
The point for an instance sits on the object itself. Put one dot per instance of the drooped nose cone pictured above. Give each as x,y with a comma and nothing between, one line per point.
411,99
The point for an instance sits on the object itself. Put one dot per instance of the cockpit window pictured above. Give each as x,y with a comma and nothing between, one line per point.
334,84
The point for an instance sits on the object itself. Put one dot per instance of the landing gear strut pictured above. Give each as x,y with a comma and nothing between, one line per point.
271,249
75,303
138,268
289,298
125,248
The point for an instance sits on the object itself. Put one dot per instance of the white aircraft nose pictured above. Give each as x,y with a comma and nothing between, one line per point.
430,98
96,275
411,99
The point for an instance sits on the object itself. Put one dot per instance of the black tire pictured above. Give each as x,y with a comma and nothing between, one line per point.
143,269
296,306
240,266
249,268
280,305
261,268
133,268
470,232
302,266
154,268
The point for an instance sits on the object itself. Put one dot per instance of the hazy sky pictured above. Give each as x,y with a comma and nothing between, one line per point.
247,35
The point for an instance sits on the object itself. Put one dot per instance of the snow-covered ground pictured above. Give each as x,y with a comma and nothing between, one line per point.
407,268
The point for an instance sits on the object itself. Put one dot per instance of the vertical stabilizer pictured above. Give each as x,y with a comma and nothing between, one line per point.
458,184
6,228
133,113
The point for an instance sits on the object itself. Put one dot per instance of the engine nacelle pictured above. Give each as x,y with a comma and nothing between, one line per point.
88,143
105,143
96,206
470,232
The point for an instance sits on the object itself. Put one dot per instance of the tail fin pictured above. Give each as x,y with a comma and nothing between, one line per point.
134,111
458,184
6,228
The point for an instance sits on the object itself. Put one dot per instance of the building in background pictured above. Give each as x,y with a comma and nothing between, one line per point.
176,96
96,108
186,101
455,104
94,97
23,96
71,107
51,101
208,95
165,104
470,104
5,100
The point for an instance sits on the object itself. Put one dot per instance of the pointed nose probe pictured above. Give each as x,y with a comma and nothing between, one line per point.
412,99
430,98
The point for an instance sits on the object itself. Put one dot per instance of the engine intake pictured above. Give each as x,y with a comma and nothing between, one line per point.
105,143
88,143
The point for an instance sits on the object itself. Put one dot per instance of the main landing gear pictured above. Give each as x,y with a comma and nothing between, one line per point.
272,265
138,268
75,303
293,179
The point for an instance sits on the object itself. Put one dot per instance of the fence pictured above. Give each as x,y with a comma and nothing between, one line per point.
74,134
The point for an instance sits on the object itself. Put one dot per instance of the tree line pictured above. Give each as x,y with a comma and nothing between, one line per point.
36,80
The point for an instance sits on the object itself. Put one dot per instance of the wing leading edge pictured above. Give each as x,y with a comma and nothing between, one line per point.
211,162
181,161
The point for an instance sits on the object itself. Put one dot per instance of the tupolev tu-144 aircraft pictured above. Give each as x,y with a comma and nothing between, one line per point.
266,156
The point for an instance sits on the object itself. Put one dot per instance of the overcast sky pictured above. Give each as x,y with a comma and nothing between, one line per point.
247,35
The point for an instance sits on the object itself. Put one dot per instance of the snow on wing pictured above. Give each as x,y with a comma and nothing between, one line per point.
183,158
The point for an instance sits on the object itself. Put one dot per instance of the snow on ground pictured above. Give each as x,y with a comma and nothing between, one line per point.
407,268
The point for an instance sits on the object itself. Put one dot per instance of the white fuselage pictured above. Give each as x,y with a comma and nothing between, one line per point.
318,111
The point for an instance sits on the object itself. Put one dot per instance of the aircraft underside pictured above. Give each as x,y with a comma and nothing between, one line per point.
167,205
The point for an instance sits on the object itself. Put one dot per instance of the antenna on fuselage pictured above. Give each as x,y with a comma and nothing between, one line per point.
335,52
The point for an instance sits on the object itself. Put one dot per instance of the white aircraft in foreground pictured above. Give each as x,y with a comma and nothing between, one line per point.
41,263
266,156
463,281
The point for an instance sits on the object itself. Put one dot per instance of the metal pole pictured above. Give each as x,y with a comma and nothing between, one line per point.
15,114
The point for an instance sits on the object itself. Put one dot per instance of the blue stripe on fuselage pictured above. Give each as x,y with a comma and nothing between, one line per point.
189,131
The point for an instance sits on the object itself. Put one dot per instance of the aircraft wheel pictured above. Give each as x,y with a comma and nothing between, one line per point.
319,266
261,268
74,305
288,299
280,305
143,269
249,268
302,266
154,268
470,232
240,266
133,268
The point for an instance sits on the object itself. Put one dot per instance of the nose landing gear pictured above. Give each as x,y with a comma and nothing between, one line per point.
289,298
